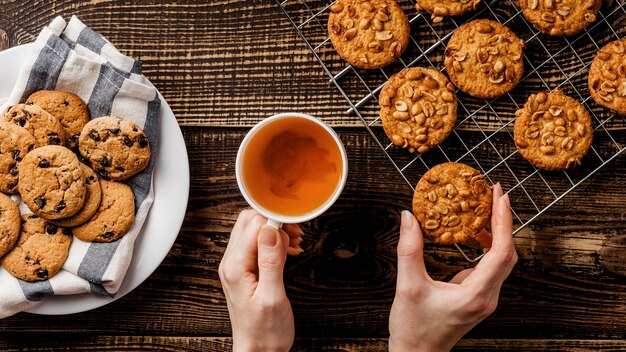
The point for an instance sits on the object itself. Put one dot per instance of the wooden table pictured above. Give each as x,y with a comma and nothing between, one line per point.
225,65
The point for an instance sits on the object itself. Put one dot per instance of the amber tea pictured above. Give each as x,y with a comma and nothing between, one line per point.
292,166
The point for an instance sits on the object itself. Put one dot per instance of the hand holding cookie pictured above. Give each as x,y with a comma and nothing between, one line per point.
251,273
429,315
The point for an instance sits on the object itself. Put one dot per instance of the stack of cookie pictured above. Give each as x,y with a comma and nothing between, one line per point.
42,144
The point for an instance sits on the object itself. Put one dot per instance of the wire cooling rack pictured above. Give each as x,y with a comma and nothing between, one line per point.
487,145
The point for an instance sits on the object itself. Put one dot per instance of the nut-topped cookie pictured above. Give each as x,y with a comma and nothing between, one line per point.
51,182
92,200
117,149
418,108
439,9
452,203
607,76
561,18
114,217
10,224
15,143
40,252
484,59
553,131
46,128
368,34
68,107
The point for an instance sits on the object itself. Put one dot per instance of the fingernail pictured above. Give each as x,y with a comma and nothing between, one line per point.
300,250
299,240
507,200
408,221
300,231
268,236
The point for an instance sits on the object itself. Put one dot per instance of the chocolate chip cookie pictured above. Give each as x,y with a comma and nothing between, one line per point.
46,128
560,18
51,182
15,143
113,218
418,108
117,149
452,203
484,59
607,76
92,200
439,9
40,252
10,224
368,34
553,131
67,107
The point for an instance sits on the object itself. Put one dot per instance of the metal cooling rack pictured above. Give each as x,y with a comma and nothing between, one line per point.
488,145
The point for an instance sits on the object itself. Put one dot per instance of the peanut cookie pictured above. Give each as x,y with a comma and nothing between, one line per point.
15,143
40,252
418,108
607,77
561,18
68,107
439,9
553,131
51,182
484,59
117,149
10,224
46,128
452,203
114,217
368,34
92,200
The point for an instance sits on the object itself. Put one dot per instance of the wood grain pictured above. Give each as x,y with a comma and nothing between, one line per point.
569,272
228,63
225,65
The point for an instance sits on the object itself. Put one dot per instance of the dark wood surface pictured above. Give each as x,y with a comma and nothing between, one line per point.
224,66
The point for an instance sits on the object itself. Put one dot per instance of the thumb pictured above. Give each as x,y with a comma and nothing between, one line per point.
271,260
410,250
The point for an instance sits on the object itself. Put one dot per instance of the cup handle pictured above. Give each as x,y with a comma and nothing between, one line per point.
275,224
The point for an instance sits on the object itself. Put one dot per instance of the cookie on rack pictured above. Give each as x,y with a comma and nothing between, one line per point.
92,200
114,217
40,252
117,149
452,203
607,76
10,224
439,9
553,131
15,143
51,182
561,18
484,59
418,108
68,107
46,128
368,34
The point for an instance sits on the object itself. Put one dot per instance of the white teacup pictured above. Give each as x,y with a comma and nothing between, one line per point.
259,135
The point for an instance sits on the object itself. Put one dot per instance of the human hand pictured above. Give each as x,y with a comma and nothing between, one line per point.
251,273
429,315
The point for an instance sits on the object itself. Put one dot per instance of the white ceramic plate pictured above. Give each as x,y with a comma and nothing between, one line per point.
171,187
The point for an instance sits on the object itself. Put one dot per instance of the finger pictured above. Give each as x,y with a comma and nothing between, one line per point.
271,260
496,265
411,268
295,242
294,251
243,220
293,230
243,253
461,276
485,239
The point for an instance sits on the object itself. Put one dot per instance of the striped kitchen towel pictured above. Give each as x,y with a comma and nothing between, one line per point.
72,57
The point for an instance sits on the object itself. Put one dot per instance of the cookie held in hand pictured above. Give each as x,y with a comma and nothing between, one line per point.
452,203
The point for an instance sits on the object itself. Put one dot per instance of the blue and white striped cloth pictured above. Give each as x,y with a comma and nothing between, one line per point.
72,57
